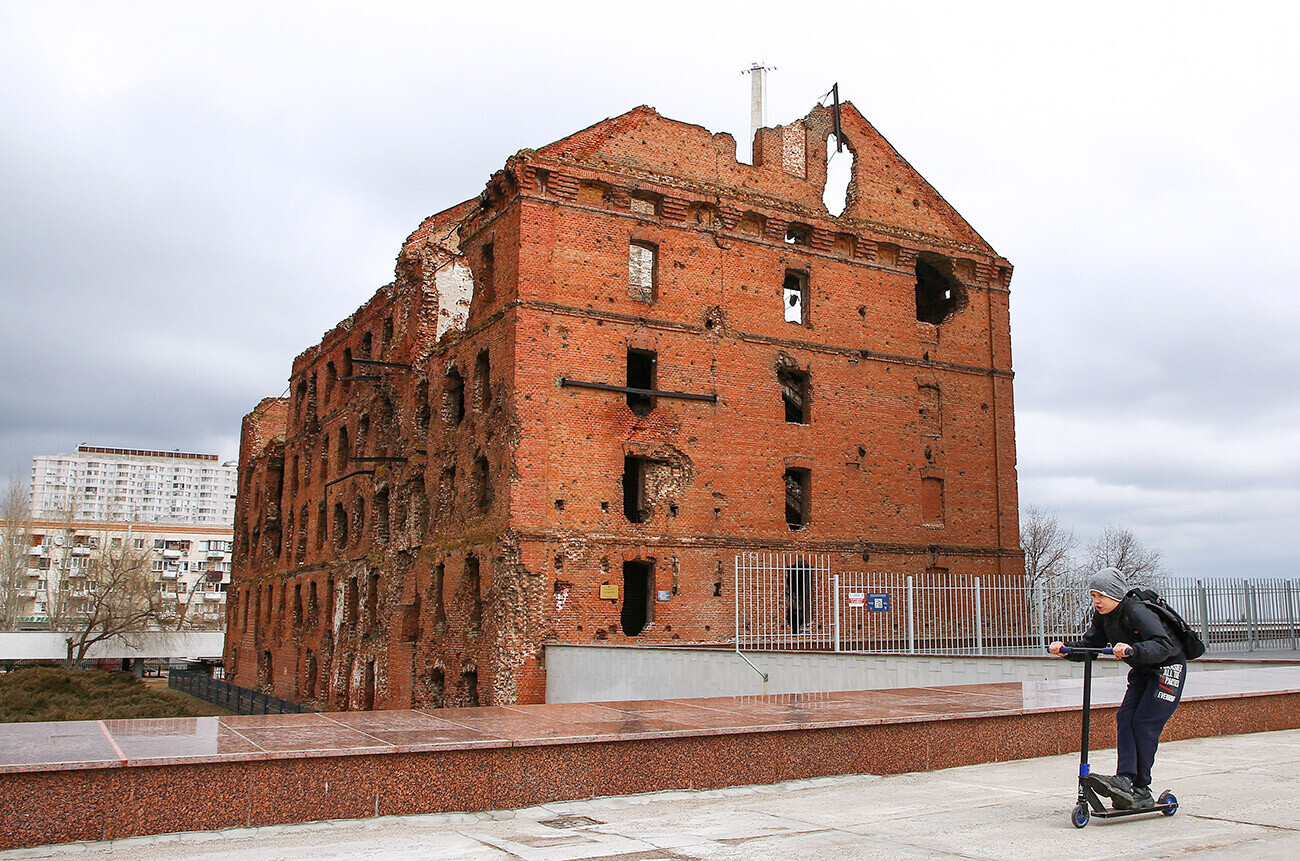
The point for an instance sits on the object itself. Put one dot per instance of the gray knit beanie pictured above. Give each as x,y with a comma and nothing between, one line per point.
1110,582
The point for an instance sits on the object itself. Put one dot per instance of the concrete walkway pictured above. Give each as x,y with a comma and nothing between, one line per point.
1239,796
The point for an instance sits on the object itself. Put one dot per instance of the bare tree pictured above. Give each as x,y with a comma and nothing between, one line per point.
1048,547
15,533
1117,547
112,594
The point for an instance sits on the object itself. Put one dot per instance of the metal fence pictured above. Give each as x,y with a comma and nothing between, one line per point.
790,601
238,700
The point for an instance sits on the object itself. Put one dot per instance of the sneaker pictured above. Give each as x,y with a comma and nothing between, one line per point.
1117,788
1142,797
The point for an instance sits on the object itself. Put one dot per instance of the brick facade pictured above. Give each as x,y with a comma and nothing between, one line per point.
451,481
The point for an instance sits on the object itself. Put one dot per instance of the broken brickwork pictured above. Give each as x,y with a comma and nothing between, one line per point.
631,358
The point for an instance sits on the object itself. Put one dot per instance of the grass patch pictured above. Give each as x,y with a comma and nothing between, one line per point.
54,693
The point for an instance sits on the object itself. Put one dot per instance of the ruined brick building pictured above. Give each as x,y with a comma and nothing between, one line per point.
629,359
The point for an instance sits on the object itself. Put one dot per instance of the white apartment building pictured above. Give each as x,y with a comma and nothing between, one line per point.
140,486
189,566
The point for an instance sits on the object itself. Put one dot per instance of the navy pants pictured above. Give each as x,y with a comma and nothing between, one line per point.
1153,694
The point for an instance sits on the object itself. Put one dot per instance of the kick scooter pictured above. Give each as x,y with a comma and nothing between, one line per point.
1089,804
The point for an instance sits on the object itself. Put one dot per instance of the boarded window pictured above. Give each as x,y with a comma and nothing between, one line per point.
794,394
645,204
932,500
638,596
929,408
642,259
797,487
794,290
642,367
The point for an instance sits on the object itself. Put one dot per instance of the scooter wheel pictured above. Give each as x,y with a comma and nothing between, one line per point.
1169,798
1081,815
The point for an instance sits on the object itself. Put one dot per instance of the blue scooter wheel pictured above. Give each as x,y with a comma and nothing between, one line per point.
1169,798
1080,816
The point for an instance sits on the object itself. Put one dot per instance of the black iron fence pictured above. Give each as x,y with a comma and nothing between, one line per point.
233,697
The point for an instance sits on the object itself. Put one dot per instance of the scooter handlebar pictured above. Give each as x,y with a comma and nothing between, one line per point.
1065,650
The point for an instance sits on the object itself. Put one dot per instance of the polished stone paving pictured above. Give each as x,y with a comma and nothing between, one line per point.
1238,798
80,744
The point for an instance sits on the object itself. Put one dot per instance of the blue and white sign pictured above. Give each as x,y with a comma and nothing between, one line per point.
878,602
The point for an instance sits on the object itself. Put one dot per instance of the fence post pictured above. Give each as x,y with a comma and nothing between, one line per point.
1248,597
1042,621
1290,613
911,618
835,608
979,621
1203,603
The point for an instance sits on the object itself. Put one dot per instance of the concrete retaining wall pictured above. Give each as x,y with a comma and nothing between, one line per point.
612,673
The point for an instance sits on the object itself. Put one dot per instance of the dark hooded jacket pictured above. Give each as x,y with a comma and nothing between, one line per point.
1134,623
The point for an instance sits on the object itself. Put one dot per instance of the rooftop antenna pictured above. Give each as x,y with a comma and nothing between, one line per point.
757,97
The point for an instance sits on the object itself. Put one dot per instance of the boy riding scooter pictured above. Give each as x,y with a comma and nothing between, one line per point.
1155,683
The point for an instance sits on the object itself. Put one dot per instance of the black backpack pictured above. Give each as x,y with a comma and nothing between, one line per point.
1193,645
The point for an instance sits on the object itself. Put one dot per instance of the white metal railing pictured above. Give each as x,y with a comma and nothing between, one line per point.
792,601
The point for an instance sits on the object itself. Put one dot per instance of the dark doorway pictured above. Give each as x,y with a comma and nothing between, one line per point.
638,596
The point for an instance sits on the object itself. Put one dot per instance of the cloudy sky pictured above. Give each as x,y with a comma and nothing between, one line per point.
191,194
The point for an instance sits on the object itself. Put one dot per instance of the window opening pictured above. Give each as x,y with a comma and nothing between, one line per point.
638,596
797,483
636,507
331,377
439,607
794,394
474,592
367,341
797,234
297,605
381,514
795,291
344,451
487,277
938,294
453,401
798,595
340,525
483,379
469,684
839,172
641,373
372,601
642,258
541,180
368,691
347,368
351,601
482,483
421,409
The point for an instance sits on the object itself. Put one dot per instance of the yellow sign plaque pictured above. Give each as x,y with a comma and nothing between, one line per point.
608,590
